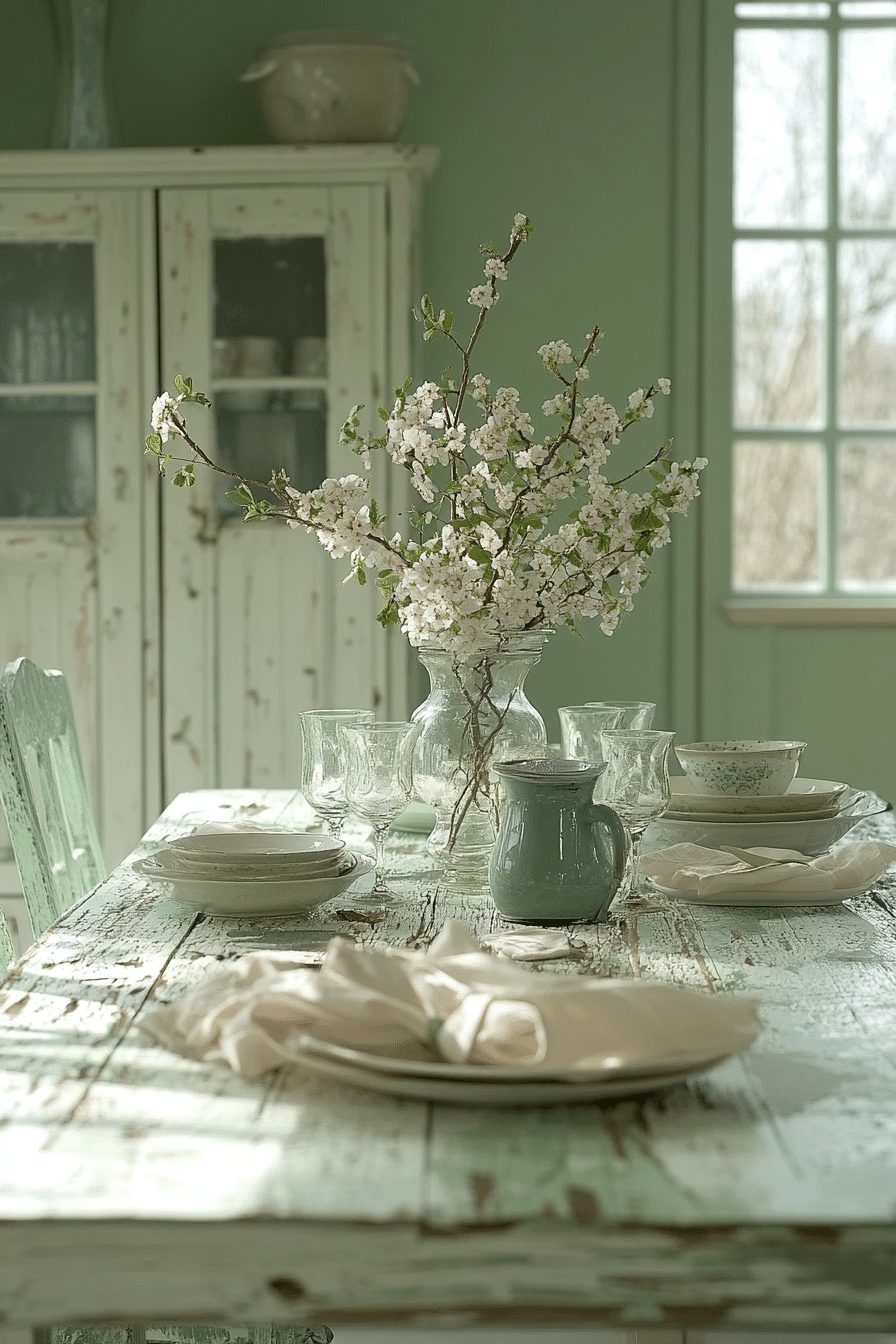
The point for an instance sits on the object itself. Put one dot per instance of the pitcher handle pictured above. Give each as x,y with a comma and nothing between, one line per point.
619,840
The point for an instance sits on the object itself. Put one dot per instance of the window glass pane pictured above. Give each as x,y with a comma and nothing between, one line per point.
868,9
259,432
867,370
46,313
777,512
866,522
779,127
868,126
47,457
810,9
270,299
778,334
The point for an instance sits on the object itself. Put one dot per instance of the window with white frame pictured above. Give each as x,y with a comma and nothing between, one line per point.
814,298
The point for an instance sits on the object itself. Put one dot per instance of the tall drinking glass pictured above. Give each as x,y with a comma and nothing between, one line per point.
581,727
378,783
636,784
635,713
323,766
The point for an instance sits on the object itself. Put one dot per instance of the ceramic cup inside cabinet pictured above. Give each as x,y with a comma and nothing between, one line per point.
225,358
259,357
309,357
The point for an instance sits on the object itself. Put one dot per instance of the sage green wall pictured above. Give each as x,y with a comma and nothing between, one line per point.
563,110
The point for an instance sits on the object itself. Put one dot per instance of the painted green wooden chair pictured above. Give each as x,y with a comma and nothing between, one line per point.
44,793
54,838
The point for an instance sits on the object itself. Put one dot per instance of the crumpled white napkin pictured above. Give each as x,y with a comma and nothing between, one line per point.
466,1004
706,871
531,944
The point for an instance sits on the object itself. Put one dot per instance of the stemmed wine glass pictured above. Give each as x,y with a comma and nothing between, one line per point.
636,784
378,783
323,767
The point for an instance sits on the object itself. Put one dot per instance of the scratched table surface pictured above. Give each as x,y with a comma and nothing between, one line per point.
139,1185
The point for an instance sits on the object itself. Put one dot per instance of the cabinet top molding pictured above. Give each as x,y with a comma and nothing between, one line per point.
211,165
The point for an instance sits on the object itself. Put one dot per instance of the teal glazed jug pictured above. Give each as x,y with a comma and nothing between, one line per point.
559,857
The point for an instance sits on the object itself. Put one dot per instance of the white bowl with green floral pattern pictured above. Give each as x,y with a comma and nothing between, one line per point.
750,766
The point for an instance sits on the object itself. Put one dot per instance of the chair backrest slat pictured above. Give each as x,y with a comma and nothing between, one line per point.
44,793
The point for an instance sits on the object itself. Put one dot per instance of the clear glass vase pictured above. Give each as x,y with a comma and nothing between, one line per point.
476,713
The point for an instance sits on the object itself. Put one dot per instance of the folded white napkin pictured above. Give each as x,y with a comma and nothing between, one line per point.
466,1004
705,871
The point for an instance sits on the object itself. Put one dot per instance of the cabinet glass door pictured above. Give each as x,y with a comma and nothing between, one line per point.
47,380
74,328
269,358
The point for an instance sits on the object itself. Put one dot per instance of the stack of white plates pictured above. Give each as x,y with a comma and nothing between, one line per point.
810,816
254,872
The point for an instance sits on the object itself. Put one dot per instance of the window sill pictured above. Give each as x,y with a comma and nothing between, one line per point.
801,611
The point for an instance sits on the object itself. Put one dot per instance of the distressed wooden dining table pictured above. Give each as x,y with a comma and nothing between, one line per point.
137,1185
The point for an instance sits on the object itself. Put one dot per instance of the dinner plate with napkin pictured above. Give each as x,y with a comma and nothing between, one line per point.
454,1023
766,877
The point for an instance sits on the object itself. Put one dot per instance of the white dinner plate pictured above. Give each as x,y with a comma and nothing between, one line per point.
764,898
505,1094
746,818
803,795
415,1061
239,896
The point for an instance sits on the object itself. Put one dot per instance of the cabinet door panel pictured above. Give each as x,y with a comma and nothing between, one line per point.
72,329
272,298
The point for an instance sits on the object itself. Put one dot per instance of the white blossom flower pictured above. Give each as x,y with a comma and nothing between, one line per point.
163,408
664,385
495,269
483,296
555,353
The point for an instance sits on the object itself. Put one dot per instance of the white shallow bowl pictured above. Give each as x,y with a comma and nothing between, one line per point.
740,765
229,870
809,837
803,795
295,848
237,896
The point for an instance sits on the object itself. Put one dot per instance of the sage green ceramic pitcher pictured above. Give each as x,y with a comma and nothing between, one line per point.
559,857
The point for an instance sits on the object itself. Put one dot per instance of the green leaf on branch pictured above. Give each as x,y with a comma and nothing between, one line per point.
386,582
383,413
153,443
645,520
185,476
183,385
388,616
242,495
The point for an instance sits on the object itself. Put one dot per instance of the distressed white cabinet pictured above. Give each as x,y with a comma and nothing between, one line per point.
281,280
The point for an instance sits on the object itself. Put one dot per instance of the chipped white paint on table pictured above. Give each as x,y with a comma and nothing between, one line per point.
136,1185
